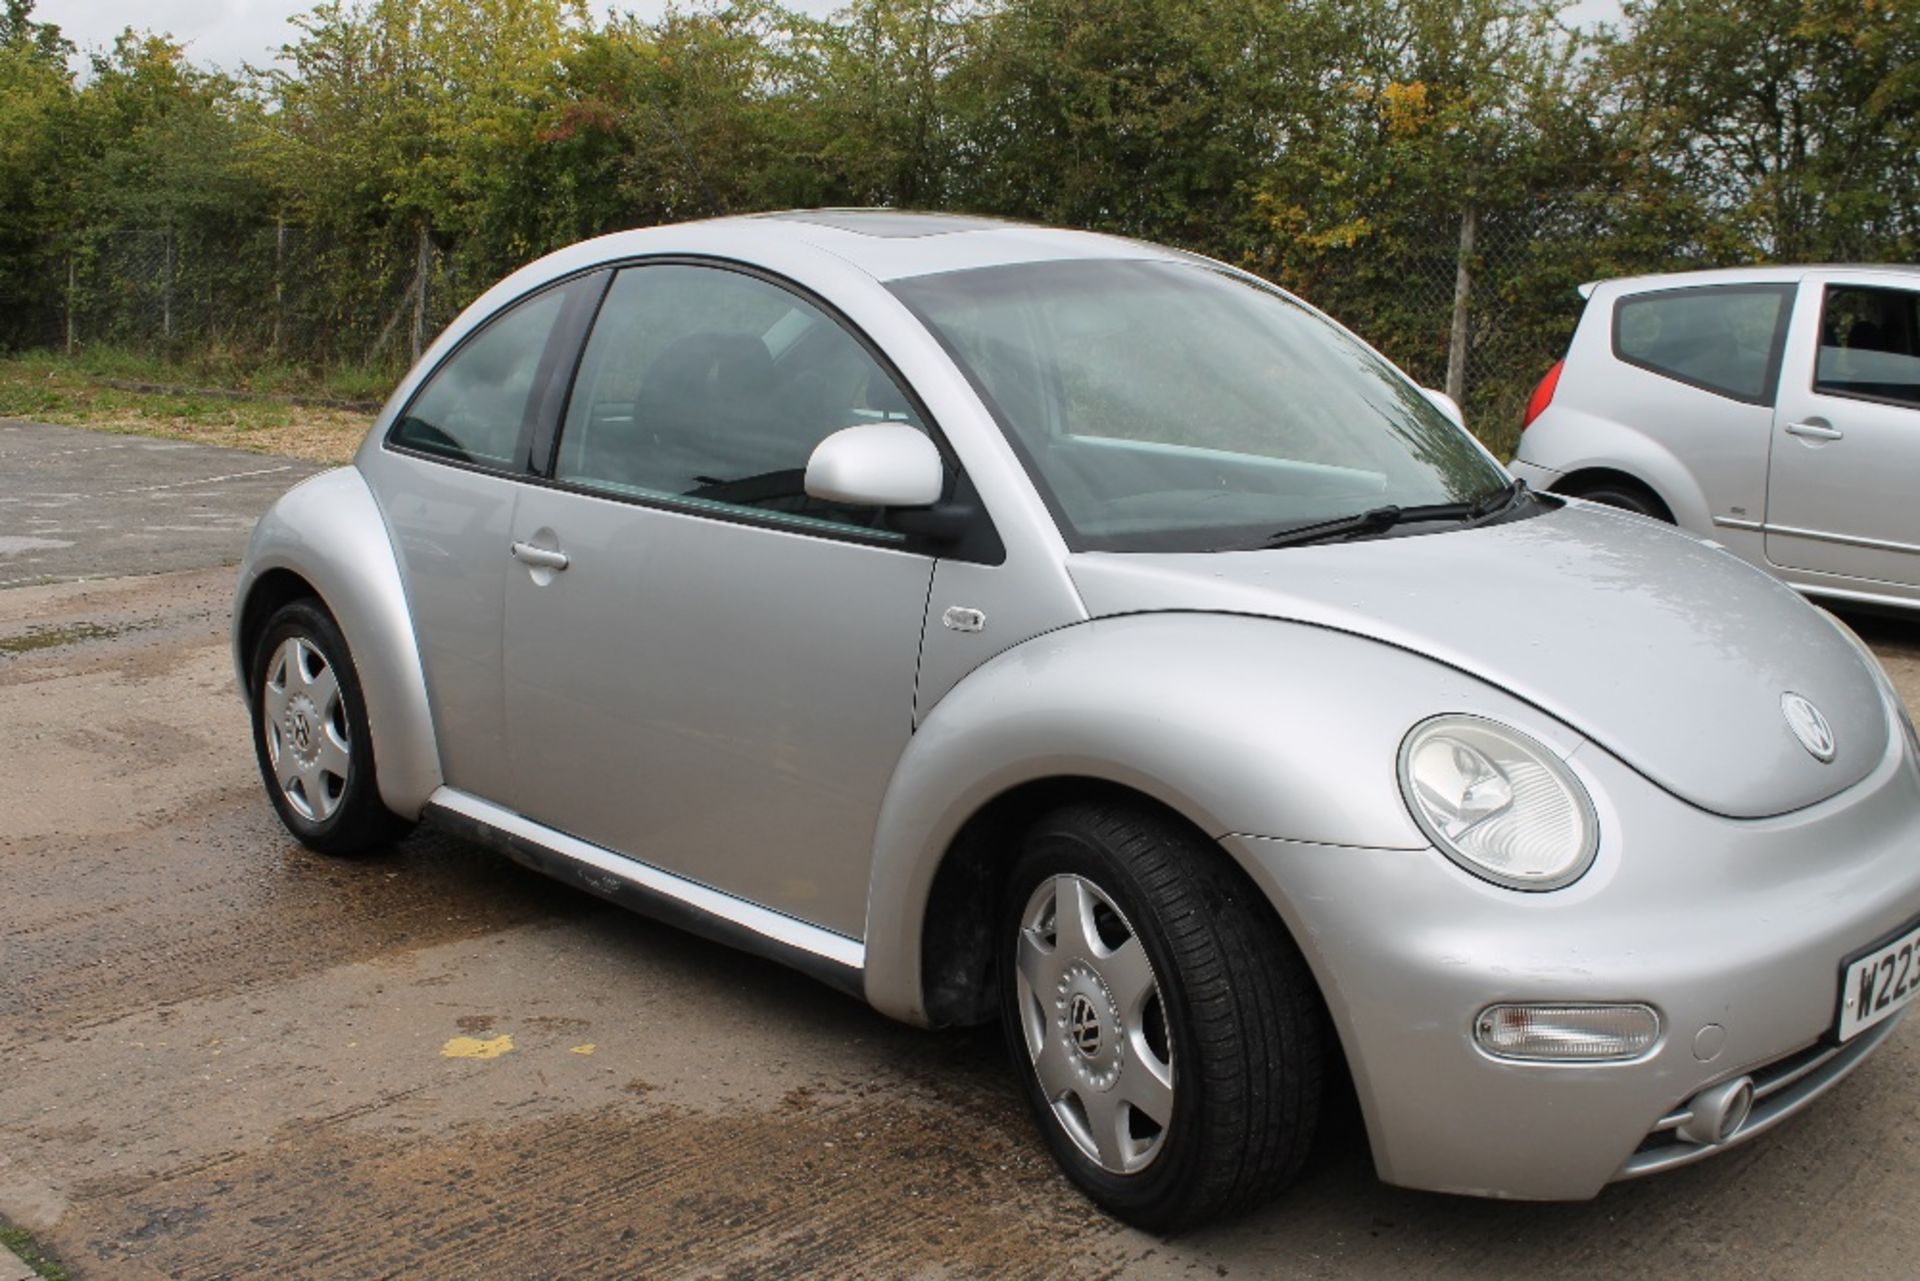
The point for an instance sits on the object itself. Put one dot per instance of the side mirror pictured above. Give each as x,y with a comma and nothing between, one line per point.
877,465
1446,405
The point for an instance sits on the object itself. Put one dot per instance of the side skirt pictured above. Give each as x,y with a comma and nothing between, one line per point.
834,959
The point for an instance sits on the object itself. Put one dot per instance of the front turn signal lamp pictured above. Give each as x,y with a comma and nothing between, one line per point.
1498,803
1567,1033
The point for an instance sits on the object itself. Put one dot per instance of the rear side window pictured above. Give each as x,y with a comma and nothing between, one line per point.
1725,339
472,409
1870,344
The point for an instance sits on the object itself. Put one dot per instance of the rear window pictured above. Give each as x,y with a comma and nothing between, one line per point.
1725,339
1870,344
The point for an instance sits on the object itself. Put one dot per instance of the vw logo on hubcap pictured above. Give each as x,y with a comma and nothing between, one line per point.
1083,1026
1808,725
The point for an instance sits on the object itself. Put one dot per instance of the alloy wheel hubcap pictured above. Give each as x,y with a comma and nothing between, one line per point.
1094,1023
304,723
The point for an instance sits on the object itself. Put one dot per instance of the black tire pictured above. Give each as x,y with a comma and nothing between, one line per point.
1627,496
350,818
1243,1020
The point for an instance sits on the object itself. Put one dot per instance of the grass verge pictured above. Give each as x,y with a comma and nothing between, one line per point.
79,392
21,1242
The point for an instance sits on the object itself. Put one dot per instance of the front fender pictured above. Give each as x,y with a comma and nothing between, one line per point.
329,531
1244,725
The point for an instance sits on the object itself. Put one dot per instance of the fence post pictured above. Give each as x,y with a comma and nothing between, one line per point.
1462,294
73,291
166,293
420,293
279,278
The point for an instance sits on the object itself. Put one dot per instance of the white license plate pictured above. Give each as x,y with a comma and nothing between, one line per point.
1880,984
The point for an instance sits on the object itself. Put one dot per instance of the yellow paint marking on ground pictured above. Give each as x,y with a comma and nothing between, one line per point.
582,1049
470,1047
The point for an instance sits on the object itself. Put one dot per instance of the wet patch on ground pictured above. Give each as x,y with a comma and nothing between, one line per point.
640,1191
45,637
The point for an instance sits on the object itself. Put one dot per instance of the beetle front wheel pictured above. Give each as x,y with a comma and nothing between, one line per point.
1167,1032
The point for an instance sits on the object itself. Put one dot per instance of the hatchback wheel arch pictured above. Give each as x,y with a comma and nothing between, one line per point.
1616,489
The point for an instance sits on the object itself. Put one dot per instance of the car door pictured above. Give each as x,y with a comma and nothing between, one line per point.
1845,461
446,482
1697,374
720,679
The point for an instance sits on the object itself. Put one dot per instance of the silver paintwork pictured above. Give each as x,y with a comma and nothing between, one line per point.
776,738
1814,488
1085,1004
877,465
330,532
1681,619
677,657
834,949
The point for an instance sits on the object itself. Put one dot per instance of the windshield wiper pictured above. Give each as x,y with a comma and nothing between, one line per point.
1378,519
1501,500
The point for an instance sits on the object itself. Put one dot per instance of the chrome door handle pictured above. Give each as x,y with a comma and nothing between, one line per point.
539,557
1819,431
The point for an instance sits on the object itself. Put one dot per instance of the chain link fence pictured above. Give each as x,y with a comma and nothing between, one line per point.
275,290
1479,304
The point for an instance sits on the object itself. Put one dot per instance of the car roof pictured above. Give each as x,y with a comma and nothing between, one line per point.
893,244
1765,274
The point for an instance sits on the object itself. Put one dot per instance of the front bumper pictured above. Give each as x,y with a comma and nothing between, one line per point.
1734,930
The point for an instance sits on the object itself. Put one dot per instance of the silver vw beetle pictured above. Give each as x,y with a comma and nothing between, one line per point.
1001,622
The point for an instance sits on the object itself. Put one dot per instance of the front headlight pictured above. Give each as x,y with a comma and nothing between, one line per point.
1498,803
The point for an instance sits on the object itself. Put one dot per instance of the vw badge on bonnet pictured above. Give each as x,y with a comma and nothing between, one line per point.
1808,725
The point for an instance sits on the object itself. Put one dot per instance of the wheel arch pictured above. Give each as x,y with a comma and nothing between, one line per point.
957,979
1583,447
326,538
1231,746
269,592
1578,482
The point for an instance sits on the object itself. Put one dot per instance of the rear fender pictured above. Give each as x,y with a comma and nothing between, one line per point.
1605,445
330,532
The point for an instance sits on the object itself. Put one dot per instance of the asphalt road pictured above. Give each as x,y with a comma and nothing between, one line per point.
81,504
221,1056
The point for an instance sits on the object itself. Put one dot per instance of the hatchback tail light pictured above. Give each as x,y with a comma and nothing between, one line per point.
1542,394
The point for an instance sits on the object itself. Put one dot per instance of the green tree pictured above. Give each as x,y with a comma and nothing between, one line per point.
1793,124
36,208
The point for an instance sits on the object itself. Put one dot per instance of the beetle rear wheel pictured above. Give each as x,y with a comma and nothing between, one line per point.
1167,1032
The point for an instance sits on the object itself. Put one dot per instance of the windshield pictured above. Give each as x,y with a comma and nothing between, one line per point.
1166,406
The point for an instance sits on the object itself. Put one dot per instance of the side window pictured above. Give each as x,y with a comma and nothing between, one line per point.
1870,344
712,386
472,408
1721,338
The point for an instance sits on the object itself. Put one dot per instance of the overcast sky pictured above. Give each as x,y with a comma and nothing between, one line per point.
228,33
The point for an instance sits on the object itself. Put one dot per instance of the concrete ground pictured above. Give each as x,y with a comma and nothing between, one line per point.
81,504
221,1056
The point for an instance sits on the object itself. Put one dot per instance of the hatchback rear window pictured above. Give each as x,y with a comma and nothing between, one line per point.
1725,339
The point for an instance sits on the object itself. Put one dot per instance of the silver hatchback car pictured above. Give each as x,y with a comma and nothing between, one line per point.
1774,409
1007,623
